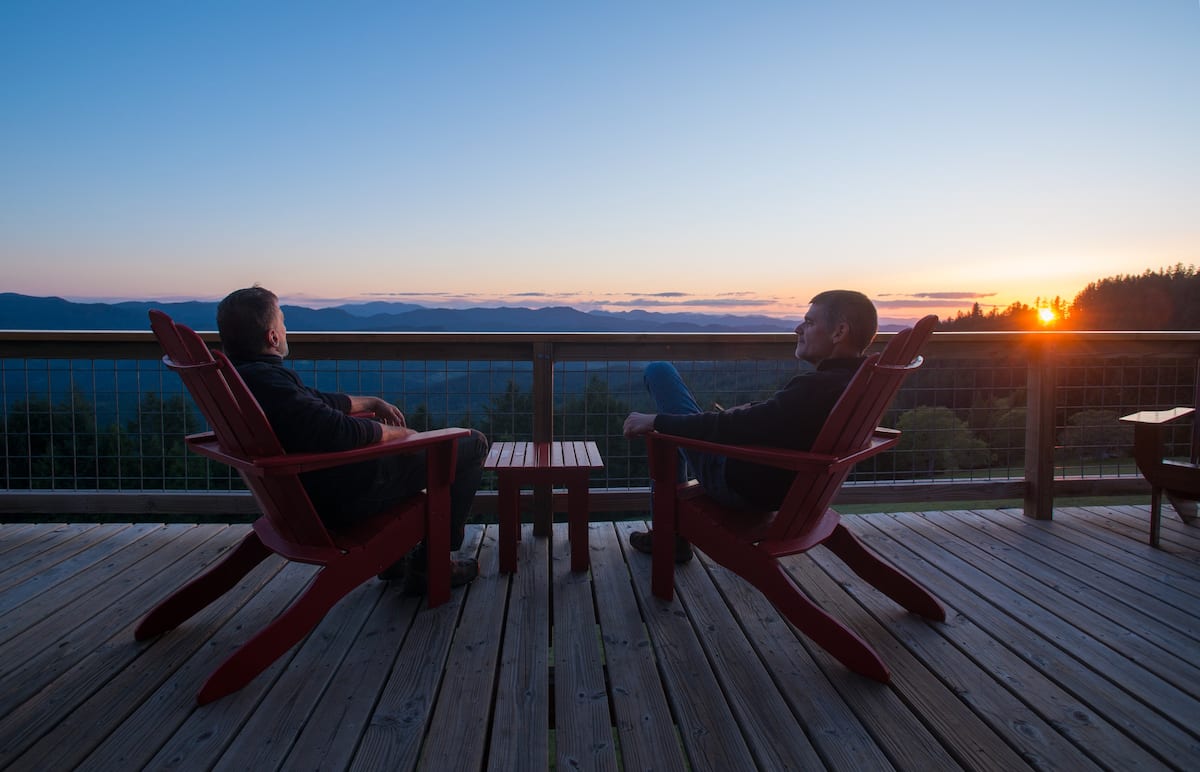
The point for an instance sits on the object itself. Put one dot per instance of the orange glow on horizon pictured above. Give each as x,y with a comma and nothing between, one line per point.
1047,316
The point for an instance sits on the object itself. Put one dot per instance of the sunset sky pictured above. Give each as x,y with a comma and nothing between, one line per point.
709,156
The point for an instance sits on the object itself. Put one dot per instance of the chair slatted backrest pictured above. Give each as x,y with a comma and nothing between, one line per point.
1195,457
241,429
850,428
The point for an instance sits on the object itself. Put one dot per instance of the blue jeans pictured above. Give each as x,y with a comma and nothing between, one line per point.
672,396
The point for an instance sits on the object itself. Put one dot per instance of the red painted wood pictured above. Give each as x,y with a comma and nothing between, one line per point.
750,544
543,463
290,526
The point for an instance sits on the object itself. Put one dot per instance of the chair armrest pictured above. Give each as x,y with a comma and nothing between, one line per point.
1157,416
292,463
782,458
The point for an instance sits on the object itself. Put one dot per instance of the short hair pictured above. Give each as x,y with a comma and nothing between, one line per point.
853,308
243,318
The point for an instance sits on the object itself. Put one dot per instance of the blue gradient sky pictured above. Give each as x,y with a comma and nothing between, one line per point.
696,155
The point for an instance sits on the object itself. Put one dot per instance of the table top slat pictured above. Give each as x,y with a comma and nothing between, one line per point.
574,454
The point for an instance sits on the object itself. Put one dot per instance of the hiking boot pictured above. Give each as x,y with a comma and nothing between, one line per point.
462,572
643,541
394,571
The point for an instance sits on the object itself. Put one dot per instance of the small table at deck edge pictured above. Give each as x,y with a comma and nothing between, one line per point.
543,463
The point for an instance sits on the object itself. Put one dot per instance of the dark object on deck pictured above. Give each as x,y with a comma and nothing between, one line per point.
751,547
1180,480
290,526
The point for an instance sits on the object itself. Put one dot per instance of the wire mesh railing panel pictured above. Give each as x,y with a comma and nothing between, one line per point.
118,424
1091,396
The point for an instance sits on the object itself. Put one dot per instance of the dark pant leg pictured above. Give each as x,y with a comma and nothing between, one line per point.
468,472
401,476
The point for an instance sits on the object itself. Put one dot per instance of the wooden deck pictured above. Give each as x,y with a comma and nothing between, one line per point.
1070,645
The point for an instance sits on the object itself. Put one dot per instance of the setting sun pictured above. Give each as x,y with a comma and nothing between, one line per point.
1047,315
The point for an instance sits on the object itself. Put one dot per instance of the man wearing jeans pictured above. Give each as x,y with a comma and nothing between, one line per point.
833,337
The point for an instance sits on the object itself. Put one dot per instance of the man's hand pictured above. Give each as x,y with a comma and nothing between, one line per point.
392,432
386,412
637,424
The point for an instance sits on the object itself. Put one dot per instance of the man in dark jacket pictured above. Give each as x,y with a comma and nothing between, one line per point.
306,420
837,329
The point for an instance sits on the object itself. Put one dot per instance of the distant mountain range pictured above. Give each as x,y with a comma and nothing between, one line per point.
24,312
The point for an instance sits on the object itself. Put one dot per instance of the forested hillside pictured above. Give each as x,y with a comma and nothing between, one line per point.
1167,299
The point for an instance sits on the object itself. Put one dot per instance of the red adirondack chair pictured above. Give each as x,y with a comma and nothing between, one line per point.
751,545
1180,480
290,526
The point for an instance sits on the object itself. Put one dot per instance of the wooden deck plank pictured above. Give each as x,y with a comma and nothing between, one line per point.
61,637
1148,671
842,740
1128,546
458,733
393,736
289,703
13,535
967,632
1178,538
766,721
583,732
646,731
707,724
1147,585
43,563
36,579
341,715
42,542
950,735
1043,661
520,738
1154,610
1032,736
162,727
91,714
52,597
1041,639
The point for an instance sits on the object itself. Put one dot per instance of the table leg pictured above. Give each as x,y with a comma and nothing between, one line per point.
577,522
508,511
543,509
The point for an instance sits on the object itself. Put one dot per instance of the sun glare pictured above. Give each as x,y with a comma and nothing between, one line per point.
1047,315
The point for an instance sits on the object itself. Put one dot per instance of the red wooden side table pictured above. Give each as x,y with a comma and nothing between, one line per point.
543,463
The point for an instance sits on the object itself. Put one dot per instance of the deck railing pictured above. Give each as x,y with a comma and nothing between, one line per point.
93,421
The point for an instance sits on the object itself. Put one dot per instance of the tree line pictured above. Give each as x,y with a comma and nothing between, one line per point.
1166,299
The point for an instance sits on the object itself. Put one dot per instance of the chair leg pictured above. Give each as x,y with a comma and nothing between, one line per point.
1156,497
437,547
330,585
663,531
881,574
831,635
204,589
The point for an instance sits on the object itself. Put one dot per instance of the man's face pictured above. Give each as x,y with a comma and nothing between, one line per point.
815,336
277,334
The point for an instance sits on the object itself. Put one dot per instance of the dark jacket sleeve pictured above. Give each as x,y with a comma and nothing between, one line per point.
791,418
304,419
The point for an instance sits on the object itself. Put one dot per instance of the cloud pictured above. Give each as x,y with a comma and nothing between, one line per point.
914,303
643,301
943,295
